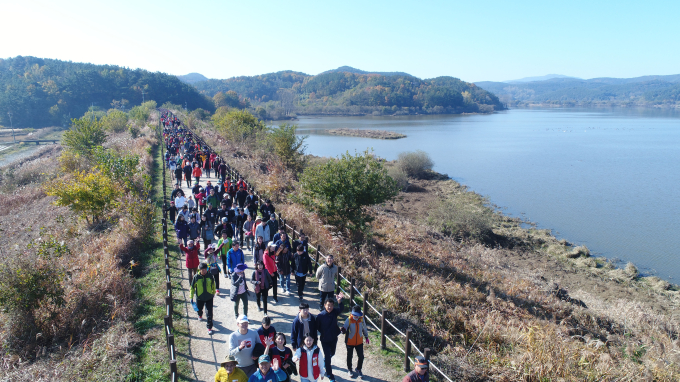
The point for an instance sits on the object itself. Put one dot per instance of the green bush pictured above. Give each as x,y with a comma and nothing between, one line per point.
289,147
115,121
339,189
399,176
84,135
464,216
415,164
237,125
134,131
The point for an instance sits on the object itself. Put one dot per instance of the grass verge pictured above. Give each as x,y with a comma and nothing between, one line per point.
152,355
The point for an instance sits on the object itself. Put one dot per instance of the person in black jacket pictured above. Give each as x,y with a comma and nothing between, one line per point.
303,324
224,227
327,324
178,175
187,173
302,267
177,191
211,214
241,196
267,209
173,210
240,220
302,241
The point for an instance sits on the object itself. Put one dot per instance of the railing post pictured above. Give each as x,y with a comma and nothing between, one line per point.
337,283
293,234
427,353
171,346
365,307
351,291
383,318
173,371
167,320
169,288
407,349
316,265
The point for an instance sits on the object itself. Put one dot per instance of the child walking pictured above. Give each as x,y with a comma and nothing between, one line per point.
355,332
311,361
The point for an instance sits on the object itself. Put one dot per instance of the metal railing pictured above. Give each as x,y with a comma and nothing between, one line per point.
385,324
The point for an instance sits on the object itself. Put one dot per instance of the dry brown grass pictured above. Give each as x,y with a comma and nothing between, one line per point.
90,336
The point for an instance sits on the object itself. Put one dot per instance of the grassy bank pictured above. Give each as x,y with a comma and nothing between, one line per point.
152,355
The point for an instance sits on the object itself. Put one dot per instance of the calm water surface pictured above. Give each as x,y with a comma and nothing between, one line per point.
607,179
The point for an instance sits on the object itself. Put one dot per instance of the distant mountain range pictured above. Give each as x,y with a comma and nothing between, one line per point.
659,91
338,90
540,78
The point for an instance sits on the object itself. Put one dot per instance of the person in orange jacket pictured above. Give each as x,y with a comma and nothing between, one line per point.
197,173
355,333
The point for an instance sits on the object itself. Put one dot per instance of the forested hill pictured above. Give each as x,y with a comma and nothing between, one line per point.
355,91
653,91
45,92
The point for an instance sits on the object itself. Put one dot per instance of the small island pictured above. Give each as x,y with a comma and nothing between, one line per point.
376,134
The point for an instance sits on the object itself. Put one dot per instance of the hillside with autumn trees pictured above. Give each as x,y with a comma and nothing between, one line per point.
349,91
45,92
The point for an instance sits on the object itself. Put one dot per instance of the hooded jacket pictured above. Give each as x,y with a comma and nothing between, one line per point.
356,330
181,229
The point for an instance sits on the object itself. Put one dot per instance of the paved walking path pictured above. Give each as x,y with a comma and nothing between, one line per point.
206,352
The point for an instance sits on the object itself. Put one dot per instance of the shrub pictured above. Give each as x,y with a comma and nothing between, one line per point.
339,189
415,164
134,131
399,177
237,125
84,135
116,121
88,194
463,215
289,147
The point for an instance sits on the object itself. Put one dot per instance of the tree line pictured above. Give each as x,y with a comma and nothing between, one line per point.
45,92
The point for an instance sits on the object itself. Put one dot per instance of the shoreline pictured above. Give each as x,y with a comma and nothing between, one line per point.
374,134
424,191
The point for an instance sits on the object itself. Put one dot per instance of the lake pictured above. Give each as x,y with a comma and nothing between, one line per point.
604,178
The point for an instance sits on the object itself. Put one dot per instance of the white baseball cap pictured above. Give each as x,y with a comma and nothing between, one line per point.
242,318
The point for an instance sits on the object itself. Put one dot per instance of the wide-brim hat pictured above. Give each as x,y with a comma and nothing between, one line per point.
228,359
241,267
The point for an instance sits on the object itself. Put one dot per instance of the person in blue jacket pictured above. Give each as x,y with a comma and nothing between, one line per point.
235,256
327,324
181,229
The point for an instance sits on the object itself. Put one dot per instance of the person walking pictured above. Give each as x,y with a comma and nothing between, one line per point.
187,173
327,324
262,282
312,363
302,267
229,372
191,252
326,274
203,287
213,265
355,331
197,172
284,266
207,231
181,229
239,288
264,372
235,256
241,345
420,373
304,324
269,260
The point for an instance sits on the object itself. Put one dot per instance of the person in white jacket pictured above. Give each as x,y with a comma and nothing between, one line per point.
311,366
262,229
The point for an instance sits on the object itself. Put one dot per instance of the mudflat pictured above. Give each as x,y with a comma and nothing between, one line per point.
376,134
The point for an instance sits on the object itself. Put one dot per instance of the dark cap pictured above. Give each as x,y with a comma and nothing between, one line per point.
421,362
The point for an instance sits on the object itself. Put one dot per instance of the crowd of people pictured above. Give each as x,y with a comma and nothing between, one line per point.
225,216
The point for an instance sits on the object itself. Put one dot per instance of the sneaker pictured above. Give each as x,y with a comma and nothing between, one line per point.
210,332
276,300
360,375
217,291
259,309
352,373
200,318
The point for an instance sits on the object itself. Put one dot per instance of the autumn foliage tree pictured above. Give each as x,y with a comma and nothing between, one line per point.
91,195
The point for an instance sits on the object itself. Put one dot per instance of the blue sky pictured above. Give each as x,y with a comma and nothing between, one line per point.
472,40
